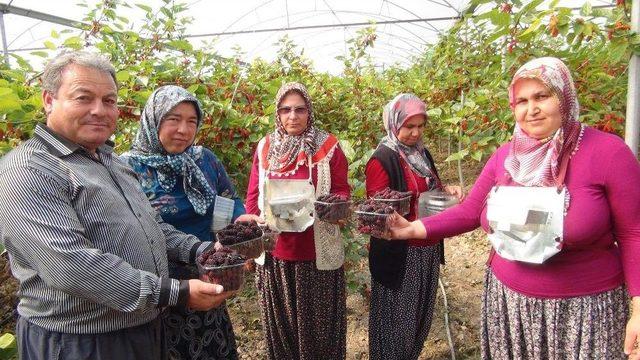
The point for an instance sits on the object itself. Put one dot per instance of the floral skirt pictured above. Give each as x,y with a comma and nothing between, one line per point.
197,334
303,310
515,326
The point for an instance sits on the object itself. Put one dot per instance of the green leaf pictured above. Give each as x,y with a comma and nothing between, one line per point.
183,45
55,34
485,140
9,103
144,7
498,34
500,19
348,150
5,91
193,88
453,120
123,76
42,54
617,51
530,6
529,31
8,346
586,9
457,156
49,45
434,112
74,42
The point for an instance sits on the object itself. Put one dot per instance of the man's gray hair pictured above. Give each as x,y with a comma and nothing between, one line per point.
52,76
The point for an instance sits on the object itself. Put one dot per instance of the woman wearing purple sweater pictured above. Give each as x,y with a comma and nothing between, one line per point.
561,206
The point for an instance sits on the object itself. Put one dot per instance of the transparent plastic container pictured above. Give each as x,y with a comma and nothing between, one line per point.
231,277
434,202
401,206
250,249
332,212
374,224
269,237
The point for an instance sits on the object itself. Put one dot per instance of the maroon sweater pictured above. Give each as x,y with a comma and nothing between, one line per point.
300,246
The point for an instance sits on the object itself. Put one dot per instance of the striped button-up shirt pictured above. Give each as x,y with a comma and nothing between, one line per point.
87,247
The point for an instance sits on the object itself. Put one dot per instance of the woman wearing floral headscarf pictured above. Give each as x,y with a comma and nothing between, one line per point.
301,284
560,203
404,275
183,182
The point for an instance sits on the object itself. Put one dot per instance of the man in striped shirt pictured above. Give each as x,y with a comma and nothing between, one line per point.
87,247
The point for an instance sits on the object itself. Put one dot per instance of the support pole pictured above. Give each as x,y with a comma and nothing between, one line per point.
5,51
632,125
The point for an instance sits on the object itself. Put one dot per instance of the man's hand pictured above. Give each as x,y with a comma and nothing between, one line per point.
204,296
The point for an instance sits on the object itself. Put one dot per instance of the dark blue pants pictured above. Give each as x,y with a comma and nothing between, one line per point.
137,343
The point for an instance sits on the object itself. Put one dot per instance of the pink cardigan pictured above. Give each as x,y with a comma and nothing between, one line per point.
601,228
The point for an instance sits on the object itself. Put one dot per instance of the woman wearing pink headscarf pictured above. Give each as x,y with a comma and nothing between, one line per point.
560,204
404,274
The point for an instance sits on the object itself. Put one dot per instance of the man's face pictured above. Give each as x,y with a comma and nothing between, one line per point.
85,108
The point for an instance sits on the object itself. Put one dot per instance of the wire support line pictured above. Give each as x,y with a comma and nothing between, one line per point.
247,14
441,4
265,42
24,32
305,27
414,14
352,24
315,13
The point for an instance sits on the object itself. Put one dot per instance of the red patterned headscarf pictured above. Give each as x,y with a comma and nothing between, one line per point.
536,162
285,149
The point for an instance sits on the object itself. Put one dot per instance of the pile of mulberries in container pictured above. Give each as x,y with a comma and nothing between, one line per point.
332,208
223,266
373,218
243,236
400,200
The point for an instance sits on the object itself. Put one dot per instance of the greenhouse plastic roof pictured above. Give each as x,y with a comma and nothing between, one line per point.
321,27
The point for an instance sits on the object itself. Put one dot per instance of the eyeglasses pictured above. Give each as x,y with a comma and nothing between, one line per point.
298,110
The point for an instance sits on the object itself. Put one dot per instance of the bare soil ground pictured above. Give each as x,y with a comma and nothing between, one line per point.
462,278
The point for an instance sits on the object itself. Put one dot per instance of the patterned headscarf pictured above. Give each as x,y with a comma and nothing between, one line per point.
394,115
148,150
285,149
534,162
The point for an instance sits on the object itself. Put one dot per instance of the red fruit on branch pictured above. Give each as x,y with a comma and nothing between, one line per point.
506,8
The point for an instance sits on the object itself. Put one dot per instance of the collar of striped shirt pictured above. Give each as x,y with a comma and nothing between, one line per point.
60,146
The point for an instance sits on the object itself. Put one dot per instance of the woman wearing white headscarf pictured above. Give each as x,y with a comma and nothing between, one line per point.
301,284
